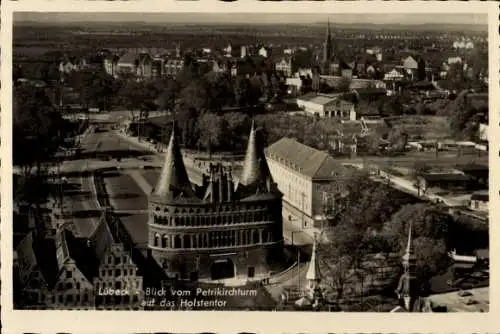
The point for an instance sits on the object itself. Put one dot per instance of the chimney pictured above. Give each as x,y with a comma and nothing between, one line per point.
230,185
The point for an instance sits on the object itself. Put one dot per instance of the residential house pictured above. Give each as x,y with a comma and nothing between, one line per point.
144,66
174,66
285,66
478,173
450,180
347,69
116,272
454,60
31,286
127,64
247,51
111,64
157,66
73,287
483,131
265,52
463,44
394,75
304,176
67,66
479,201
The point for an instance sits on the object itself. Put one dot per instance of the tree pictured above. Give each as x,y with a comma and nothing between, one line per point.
238,127
430,232
39,131
419,169
213,130
344,85
398,139
169,94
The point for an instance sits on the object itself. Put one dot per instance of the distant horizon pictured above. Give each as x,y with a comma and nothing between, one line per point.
251,18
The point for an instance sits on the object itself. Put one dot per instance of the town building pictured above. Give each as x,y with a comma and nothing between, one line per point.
448,180
265,52
110,64
222,229
144,66
126,64
173,66
285,66
116,272
483,131
73,287
479,201
304,175
327,106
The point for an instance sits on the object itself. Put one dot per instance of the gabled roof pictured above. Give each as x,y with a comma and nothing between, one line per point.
306,160
128,58
102,239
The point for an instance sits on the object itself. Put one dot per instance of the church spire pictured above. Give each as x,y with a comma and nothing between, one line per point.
313,274
327,47
255,169
407,291
173,180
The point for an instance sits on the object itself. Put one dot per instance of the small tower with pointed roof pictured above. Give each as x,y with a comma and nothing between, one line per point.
313,275
408,289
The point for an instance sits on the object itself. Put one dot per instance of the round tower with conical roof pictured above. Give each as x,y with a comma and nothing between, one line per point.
226,227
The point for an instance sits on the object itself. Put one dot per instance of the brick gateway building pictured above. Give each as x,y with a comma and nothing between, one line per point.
222,229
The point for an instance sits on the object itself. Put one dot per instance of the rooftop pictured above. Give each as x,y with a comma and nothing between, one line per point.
302,158
474,300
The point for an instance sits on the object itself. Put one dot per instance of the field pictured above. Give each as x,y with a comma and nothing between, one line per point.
423,127
444,160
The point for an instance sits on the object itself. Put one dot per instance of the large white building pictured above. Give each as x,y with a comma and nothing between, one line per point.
304,175
327,106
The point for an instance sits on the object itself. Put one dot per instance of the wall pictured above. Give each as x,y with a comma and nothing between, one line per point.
292,184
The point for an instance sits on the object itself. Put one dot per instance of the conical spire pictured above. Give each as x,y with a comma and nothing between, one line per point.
327,51
173,180
408,252
406,291
313,273
328,30
255,167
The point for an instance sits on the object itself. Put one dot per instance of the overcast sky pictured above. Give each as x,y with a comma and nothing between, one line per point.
253,18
